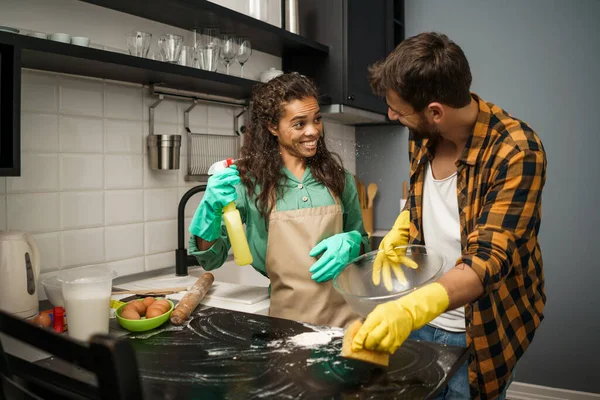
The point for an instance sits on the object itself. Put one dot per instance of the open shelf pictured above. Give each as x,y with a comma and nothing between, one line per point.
52,56
196,14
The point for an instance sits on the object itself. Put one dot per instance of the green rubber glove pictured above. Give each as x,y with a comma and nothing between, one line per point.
339,250
389,324
220,191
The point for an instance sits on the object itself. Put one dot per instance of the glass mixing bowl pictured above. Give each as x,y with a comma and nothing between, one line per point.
355,282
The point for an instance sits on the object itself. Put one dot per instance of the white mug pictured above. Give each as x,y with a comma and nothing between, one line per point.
80,41
61,37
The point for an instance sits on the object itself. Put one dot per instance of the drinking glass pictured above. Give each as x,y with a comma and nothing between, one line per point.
244,51
228,50
138,43
170,47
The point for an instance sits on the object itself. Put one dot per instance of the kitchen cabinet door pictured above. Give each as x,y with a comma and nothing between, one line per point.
10,110
358,33
369,38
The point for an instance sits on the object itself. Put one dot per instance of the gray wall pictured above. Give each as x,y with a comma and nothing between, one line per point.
539,60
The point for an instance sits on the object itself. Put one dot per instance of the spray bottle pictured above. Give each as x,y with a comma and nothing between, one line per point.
233,222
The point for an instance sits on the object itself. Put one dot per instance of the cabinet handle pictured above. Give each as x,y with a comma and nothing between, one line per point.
351,97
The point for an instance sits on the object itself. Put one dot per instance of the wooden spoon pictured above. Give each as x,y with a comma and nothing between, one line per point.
361,194
372,192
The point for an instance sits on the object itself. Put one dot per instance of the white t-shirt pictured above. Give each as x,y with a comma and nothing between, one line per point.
441,230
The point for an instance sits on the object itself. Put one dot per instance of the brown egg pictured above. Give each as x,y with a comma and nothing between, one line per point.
160,307
148,301
154,312
130,313
131,307
42,320
141,308
163,302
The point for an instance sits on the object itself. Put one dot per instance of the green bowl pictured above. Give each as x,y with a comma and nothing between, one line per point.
143,324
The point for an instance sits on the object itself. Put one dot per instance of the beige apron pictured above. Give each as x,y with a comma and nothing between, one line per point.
294,295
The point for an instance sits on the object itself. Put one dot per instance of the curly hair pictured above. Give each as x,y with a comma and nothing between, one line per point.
261,164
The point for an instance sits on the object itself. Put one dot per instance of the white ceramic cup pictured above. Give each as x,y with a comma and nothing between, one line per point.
61,37
80,41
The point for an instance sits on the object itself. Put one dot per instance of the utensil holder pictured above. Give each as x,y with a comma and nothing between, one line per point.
163,151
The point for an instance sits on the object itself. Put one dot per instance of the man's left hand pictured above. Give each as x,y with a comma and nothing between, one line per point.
338,250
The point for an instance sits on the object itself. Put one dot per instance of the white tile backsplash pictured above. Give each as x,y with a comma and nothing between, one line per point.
35,212
39,92
124,241
193,203
127,267
39,132
198,115
80,135
160,204
49,251
81,210
123,136
166,112
123,171
158,178
87,190
220,117
82,247
39,173
158,261
81,96
160,236
123,101
2,212
188,235
81,171
124,206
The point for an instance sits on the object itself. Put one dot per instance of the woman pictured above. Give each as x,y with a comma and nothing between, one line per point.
296,200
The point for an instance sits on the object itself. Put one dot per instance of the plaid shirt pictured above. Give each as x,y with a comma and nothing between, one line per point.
500,176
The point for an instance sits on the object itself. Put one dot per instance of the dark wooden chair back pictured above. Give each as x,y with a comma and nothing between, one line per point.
110,362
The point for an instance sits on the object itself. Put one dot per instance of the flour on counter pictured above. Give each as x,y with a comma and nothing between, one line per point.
167,328
311,340
320,336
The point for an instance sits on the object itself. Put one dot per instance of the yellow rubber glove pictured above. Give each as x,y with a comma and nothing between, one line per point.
389,324
390,258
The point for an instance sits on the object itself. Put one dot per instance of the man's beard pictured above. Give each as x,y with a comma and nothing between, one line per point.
425,130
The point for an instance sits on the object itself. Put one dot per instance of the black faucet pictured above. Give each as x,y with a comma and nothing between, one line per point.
182,259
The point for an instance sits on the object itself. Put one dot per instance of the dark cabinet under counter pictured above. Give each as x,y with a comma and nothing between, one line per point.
358,33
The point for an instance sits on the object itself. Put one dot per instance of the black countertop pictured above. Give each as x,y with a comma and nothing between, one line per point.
222,354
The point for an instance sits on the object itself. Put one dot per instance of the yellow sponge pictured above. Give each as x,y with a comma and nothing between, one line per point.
370,356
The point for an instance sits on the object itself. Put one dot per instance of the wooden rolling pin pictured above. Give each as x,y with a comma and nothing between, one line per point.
192,298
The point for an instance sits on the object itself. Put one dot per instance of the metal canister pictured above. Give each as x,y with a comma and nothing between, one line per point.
163,151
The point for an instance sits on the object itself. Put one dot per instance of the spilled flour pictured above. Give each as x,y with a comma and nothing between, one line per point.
320,336
311,340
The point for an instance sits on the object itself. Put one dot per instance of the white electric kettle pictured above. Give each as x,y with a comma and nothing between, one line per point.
19,273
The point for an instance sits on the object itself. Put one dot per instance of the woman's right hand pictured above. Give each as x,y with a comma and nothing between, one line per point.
220,191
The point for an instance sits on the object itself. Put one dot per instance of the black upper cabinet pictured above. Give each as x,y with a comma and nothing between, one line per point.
358,33
10,102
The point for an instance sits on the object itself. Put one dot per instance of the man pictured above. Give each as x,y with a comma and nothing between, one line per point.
476,176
